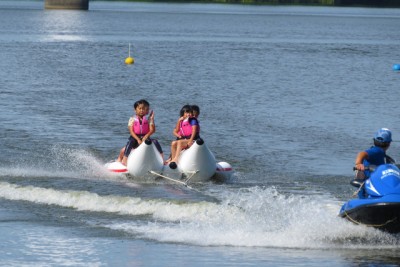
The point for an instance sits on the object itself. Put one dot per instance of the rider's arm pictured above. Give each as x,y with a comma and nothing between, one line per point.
360,159
152,127
194,131
177,128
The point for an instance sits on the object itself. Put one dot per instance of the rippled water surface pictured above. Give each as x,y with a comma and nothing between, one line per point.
288,96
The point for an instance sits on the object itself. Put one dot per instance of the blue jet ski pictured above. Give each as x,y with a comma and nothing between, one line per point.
378,202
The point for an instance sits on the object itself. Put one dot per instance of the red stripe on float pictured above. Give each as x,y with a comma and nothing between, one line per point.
224,169
120,170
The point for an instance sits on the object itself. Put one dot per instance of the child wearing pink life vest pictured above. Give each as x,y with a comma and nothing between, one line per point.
140,129
187,131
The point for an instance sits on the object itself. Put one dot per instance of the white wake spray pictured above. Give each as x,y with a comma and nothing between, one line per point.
255,217
63,163
262,217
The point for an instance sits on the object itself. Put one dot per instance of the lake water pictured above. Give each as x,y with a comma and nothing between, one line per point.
288,96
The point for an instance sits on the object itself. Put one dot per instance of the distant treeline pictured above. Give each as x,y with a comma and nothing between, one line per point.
363,3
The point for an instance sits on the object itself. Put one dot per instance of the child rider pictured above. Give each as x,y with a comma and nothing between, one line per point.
140,129
187,130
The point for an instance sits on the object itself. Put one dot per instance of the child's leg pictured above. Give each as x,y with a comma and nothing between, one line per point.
124,160
132,143
173,149
181,144
158,146
121,154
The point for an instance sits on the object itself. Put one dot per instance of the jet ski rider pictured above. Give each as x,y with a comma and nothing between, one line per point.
376,155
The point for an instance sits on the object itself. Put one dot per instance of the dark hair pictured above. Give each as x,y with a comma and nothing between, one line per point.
139,102
195,109
185,108
381,144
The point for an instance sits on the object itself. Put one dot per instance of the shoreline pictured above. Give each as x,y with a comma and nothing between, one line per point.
336,3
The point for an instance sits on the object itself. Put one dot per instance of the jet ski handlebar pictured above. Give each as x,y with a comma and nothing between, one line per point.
368,168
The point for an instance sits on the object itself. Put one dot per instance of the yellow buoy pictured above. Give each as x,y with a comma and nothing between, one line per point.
129,60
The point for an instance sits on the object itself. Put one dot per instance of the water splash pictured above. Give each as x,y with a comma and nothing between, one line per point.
262,217
62,162
254,217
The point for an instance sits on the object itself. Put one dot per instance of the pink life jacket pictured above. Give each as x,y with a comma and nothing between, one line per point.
185,128
141,129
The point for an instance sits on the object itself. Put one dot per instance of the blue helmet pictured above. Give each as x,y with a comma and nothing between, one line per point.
383,135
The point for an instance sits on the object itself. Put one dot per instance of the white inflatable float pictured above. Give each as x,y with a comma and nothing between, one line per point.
141,161
196,164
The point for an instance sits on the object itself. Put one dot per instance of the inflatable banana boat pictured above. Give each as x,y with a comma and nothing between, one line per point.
196,164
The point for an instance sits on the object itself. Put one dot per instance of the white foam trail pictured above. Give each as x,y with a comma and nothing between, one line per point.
250,217
265,218
65,163
79,161
83,200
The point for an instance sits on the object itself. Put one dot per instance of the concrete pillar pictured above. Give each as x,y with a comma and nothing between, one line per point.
66,4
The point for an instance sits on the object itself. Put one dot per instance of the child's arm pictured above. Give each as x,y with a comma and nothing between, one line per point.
178,127
152,126
194,132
